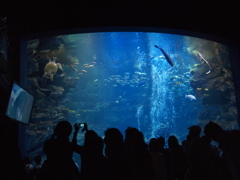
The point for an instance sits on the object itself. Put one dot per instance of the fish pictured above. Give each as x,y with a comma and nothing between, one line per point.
199,89
61,75
84,71
71,111
202,58
89,66
191,97
173,77
45,91
141,83
176,83
180,57
167,57
72,66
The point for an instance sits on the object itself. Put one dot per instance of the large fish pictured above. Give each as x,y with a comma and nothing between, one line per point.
202,58
167,57
191,97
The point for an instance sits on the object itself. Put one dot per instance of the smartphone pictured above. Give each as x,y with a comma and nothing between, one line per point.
82,125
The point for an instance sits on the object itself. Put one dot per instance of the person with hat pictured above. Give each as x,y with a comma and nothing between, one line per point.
229,143
194,132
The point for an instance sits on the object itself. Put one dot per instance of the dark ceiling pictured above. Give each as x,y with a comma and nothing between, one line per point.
214,17
211,17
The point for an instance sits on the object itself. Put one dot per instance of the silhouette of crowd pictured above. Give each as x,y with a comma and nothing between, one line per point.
131,158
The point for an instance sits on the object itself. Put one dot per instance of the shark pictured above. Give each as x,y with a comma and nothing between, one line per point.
202,58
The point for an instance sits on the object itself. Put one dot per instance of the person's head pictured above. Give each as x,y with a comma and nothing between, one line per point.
113,140
63,129
172,141
194,131
161,142
154,145
90,137
112,136
213,131
133,135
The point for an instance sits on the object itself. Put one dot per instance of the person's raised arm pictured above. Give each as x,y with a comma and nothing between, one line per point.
77,148
76,129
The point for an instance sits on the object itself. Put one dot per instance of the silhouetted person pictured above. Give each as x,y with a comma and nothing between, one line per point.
186,142
157,160
165,153
199,167
218,171
115,152
93,162
229,142
178,157
140,160
59,164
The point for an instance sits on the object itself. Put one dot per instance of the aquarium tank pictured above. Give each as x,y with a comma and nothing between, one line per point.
159,83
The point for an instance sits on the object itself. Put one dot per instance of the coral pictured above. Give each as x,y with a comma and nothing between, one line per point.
215,89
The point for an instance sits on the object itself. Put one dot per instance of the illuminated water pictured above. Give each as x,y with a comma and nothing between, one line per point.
119,79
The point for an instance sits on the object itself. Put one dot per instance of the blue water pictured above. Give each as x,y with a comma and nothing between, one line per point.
119,79
130,84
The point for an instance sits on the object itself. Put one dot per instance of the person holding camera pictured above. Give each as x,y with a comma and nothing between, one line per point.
92,159
59,150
